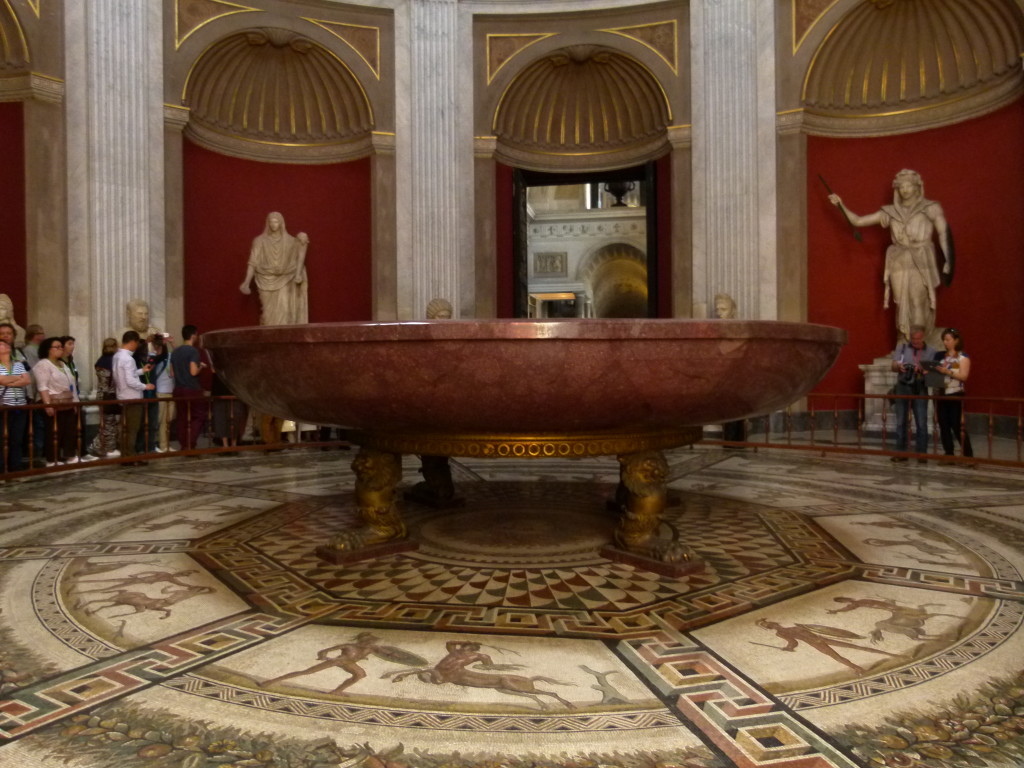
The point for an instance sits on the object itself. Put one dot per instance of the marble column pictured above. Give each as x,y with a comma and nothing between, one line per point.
734,187
115,165
434,156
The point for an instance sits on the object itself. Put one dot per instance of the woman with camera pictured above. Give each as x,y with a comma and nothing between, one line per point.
956,367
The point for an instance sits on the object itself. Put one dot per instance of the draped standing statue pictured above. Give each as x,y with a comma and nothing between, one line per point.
278,262
911,273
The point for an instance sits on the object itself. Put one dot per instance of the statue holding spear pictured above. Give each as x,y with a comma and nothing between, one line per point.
911,273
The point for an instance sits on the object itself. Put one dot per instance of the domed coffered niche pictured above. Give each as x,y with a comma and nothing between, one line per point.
896,66
584,106
274,94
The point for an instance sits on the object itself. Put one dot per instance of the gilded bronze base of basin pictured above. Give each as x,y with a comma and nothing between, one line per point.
538,446
641,495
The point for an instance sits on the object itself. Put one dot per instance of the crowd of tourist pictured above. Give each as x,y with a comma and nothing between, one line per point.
150,396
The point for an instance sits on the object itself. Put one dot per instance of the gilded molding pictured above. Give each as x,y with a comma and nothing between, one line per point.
13,43
364,40
176,116
34,5
662,37
680,136
484,146
918,118
504,47
191,15
804,15
383,142
538,160
253,149
528,446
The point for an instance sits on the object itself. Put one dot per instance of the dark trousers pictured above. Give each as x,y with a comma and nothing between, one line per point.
61,434
949,413
15,425
131,420
192,411
919,407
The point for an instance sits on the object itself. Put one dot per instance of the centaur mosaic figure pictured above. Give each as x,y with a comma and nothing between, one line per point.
911,272
463,653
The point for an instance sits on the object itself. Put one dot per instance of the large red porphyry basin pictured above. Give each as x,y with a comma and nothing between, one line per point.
524,377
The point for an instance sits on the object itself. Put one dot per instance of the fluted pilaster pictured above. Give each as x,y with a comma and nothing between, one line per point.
115,164
733,71
439,177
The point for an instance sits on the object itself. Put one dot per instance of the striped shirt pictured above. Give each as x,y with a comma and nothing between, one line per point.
13,395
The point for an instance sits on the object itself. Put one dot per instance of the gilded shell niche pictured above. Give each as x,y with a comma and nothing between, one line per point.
274,86
888,55
583,97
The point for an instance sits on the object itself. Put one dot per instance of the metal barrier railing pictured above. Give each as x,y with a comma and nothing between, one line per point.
867,425
43,437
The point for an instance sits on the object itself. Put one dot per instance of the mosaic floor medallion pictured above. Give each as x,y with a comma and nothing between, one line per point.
177,616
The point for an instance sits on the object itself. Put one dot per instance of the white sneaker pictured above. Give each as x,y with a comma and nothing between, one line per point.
112,454
158,449
55,463
89,457
72,460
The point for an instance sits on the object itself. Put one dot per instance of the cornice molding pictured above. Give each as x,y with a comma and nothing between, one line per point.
31,85
917,118
279,152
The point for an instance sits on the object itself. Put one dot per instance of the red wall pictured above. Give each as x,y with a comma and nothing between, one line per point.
12,209
226,205
976,171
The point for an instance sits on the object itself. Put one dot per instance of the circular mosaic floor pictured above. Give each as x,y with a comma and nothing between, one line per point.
849,613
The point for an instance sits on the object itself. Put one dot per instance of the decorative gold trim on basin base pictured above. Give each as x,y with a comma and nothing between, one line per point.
528,446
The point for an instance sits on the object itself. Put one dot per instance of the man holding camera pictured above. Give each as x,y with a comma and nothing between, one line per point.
908,361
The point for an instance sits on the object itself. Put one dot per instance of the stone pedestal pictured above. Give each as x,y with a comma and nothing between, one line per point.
879,378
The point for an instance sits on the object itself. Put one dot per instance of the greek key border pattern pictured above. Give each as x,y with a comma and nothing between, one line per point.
744,723
535,722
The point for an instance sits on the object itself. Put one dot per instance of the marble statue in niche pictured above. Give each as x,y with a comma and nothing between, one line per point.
277,261
911,272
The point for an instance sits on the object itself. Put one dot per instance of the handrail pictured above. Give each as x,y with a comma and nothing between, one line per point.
993,425
85,432
829,429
